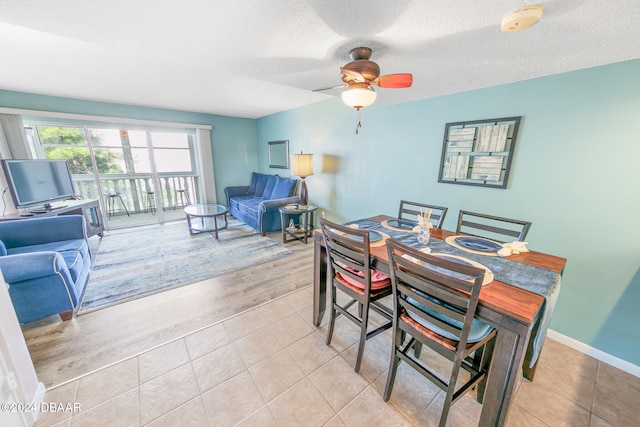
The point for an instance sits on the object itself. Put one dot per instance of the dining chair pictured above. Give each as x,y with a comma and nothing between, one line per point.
435,302
492,227
350,270
409,210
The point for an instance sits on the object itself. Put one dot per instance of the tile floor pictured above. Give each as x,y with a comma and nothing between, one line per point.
270,367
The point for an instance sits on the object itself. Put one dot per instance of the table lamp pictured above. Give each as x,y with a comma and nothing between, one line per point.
302,166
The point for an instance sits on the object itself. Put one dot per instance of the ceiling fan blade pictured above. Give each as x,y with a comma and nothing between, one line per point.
329,88
394,81
353,76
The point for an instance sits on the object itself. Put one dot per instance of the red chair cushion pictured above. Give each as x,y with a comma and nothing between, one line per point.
378,280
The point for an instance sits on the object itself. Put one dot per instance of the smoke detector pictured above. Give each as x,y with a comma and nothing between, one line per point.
522,18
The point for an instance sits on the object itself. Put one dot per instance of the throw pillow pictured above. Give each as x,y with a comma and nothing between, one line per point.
260,184
3,249
252,187
283,188
268,189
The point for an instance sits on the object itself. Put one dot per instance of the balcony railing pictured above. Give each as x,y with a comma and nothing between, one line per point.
177,189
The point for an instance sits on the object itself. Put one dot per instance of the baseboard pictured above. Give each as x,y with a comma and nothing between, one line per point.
595,353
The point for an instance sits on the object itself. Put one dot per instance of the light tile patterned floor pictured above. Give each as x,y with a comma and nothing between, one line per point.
270,367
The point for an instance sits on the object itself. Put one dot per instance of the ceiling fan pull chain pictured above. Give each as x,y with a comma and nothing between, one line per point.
358,125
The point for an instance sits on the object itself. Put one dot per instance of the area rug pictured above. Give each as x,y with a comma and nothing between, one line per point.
152,259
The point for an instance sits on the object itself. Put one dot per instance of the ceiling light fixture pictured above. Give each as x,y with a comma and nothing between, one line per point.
522,18
359,96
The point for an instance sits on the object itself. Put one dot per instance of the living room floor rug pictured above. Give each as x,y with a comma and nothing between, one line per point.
135,263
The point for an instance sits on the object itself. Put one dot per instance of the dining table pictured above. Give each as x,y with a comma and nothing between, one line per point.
518,302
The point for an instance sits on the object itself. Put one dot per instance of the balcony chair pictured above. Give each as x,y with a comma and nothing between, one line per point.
409,210
150,199
435,303
180,192
350,272
492,227
110,201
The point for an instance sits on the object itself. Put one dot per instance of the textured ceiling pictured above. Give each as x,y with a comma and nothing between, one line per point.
251,58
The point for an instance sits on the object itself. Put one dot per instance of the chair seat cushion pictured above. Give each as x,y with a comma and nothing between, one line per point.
73,251
378,280
236,201
478,331
250,207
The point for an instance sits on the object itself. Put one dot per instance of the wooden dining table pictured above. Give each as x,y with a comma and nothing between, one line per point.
513,311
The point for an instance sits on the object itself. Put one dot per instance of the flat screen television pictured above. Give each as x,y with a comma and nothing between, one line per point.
38,182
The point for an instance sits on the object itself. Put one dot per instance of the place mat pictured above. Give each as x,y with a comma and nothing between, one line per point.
452,241
386,224
377,243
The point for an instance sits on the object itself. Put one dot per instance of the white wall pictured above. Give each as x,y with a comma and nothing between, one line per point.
18,381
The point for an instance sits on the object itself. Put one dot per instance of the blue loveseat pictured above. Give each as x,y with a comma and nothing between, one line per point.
46,263
257,204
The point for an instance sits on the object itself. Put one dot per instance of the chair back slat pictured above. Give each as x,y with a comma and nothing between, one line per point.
345,252
347,247
491,226
431,302
410,210
423,278
432,294
408,301
438,273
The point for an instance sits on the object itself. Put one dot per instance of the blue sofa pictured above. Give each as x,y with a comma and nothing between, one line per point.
257,204
46,263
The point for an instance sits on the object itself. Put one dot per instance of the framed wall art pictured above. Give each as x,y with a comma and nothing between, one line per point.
478,152
279,154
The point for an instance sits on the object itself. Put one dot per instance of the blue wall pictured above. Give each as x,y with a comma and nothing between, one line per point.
233,140
575,175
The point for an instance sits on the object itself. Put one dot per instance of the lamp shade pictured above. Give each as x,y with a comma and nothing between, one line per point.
359,97
302,165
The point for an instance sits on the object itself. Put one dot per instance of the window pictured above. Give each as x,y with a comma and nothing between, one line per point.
130,162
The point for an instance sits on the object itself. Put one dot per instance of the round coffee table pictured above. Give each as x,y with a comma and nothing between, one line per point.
206,218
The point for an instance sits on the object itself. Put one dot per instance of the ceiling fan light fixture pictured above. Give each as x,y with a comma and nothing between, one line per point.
522,18
359,97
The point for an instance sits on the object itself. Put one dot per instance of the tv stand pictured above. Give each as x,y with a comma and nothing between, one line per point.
90,209
47,208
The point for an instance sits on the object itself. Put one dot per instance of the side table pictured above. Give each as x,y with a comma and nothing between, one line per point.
302,231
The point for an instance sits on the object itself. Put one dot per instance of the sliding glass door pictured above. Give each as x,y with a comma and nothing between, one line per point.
141,176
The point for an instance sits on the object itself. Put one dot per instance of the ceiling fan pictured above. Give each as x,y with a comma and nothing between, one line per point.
361,74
